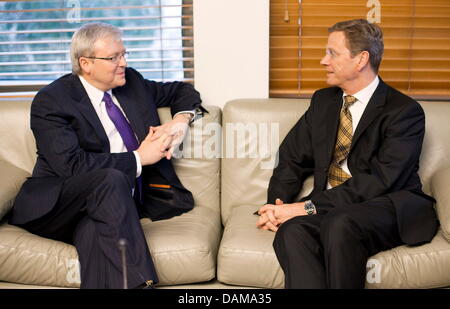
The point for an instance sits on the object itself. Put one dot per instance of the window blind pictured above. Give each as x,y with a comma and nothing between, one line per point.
35,37
416,35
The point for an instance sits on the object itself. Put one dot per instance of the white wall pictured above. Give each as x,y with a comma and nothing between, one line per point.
231,49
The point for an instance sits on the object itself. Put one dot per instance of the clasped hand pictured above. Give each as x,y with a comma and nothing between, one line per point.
273,215
176,129
161,141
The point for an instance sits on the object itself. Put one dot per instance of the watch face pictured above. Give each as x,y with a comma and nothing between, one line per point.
309,207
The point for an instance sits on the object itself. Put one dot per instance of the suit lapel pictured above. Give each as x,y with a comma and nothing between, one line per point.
373,109
332,121
84,105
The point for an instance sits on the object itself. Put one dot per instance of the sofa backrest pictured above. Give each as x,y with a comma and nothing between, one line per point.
436,145
17,144
245,179
197,162
252,132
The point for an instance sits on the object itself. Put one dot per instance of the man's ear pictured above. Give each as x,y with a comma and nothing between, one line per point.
85,65
363,60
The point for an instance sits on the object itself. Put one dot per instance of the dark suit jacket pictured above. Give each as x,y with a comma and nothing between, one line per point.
383,159
71,141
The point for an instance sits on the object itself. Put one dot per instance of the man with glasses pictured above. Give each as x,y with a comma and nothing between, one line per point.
103,160
361,139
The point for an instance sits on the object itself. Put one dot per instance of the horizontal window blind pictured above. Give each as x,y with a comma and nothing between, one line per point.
35,37
416,35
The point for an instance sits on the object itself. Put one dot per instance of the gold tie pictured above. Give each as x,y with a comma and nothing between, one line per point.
336,175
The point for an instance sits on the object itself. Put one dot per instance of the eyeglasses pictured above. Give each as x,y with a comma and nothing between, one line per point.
114,59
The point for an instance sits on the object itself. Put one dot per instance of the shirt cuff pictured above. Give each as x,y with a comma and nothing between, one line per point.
138,164
193,112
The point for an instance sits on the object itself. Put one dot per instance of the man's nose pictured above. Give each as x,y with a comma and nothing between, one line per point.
325,60
123,61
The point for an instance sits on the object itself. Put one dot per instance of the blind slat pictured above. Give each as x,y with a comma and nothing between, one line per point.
73,30
105,8
91,19
68,41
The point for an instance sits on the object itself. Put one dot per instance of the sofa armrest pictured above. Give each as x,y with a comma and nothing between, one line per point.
440,183
11,179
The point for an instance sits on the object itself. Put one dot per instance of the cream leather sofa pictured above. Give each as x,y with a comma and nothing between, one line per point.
227,163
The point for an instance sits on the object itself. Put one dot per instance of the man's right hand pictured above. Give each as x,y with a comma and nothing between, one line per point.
150,151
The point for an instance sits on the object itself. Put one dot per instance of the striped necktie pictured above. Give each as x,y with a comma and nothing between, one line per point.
336,175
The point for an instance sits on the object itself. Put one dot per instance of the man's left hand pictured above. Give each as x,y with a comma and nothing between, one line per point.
177,128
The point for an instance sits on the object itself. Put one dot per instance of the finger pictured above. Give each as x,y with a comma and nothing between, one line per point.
169,153
157,132
163,138
166,142
262,221
262,209
150,134
180,135
271,226
271,217
278,202
265,208
153,134
175,140
164,154
175,133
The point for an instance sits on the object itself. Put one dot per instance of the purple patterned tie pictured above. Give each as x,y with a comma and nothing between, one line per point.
121,123
126,132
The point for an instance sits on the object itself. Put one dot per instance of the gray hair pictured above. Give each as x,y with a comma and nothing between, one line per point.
84,39
363,36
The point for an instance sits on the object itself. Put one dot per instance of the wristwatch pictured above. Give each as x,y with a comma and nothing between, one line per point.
309,207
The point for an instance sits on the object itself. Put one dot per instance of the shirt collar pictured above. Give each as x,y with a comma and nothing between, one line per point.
365,94
94,94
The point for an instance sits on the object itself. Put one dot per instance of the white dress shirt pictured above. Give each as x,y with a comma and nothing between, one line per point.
357,109
116,143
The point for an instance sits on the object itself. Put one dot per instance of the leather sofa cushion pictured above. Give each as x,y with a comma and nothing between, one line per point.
30,259
250,260
440,188
407,267
246,256
11,179
183,250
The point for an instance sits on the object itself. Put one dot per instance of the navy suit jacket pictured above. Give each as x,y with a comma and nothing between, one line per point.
71,140
383,159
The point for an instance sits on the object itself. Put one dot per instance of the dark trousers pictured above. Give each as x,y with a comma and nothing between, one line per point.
93,212
330,250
